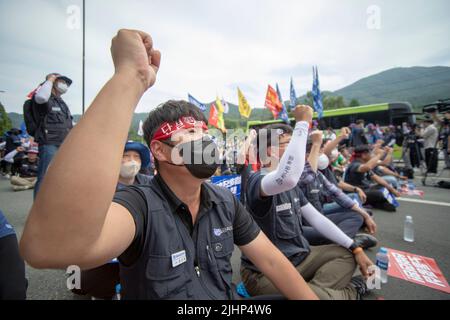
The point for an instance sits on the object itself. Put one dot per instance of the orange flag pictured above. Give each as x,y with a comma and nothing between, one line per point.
213,116
273,102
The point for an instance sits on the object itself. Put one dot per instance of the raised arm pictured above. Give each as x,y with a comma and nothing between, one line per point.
290,168
313,158
72,220
330,146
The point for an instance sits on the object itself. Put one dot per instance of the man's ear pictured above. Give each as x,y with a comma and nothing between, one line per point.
158,150
164,153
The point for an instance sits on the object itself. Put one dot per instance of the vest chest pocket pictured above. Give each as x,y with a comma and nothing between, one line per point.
287,225
222,251
55,117
166,281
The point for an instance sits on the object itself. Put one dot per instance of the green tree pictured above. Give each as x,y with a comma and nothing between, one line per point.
5,122
354,103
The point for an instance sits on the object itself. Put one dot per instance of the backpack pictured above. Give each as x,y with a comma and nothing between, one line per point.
31,116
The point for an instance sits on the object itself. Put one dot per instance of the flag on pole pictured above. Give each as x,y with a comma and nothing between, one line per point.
317,96
226,107
219,105
141,129
221,122
213,116
283,115
244,108
293,96
197,103
272,102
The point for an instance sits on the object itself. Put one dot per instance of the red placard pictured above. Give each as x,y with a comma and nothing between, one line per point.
416,269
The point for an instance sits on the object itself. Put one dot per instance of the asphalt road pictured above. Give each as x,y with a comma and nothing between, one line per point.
431,224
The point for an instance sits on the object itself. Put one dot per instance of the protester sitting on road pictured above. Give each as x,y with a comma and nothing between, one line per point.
279,206
175,236
12,142
27,168
13,284
360,174
331,201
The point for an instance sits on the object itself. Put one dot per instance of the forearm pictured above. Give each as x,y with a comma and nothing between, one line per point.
330,146
43,94
325,226
356,208
291,164
383,183
313,158
347,187
71,206
372,163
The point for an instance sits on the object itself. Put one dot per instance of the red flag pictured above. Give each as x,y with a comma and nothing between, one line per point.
213,116
273,102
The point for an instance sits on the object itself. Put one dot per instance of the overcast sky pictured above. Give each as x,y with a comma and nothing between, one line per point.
212,47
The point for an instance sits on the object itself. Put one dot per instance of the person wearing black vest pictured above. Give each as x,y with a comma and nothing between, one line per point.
175,236
332,202
55,120
360,174
279,206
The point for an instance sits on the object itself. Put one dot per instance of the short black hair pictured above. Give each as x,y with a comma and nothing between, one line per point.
170,111
362,149
278,129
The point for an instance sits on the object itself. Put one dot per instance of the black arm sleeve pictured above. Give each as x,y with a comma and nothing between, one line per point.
133,199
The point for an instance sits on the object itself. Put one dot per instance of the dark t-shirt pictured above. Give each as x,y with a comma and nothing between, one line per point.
355,178
245,229
261,206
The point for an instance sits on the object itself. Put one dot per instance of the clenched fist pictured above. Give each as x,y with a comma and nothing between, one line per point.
316,137
133,53
303,113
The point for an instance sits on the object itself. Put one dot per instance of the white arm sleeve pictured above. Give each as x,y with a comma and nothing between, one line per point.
10,156
325,226
291,165
43,94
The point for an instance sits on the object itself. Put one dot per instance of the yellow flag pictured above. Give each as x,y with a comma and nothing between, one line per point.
221,122
219,105
244,108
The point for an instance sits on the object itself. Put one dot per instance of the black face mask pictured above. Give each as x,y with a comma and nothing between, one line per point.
200,157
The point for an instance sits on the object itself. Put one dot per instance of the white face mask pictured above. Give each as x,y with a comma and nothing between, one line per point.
323,162
129,169
334,154
62,87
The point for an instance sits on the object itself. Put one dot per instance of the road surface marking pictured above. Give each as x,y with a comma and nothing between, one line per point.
444,204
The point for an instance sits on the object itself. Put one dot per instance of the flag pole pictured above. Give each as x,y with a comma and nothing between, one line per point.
84,56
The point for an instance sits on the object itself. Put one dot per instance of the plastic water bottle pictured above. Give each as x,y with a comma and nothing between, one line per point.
118,290
408,234
383,264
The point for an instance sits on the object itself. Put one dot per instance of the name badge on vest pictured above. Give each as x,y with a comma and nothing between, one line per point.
178,258
56,109
315,191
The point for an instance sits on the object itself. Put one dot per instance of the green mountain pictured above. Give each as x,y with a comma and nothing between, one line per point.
417,85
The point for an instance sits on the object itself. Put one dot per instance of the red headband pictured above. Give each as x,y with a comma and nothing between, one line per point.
167,129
